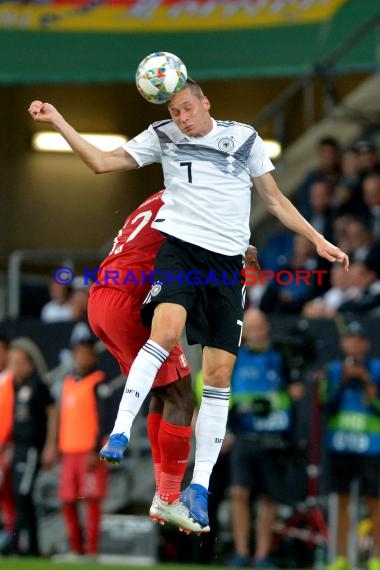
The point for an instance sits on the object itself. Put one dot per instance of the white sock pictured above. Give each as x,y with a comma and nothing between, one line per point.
210,431
140,379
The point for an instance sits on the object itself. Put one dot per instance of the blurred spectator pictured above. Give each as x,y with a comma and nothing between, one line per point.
277,252
78,304
4,345
329,171
360,243
368,159
79,299
81,431
34,436
341,290
347,197
340,234
81,330
255,293
367,285
291,297
320,207
58,308
371,196
7,508
351,397
261,419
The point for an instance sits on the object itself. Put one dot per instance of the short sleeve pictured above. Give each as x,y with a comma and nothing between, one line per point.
259,162
145,147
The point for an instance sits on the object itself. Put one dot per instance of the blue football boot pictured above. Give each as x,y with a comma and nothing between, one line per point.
113,450
195,498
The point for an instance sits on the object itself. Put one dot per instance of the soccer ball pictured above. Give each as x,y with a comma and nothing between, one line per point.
159,76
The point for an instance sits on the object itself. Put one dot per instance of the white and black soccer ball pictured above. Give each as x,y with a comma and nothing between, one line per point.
159,76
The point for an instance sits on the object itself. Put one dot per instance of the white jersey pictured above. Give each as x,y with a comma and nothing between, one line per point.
207,195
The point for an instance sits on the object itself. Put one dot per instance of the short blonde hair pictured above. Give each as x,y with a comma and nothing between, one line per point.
195,89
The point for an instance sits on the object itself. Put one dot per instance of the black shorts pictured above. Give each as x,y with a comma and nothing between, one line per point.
263,471
345,467
208,285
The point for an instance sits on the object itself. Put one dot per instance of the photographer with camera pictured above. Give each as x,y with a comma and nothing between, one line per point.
351,396
262,393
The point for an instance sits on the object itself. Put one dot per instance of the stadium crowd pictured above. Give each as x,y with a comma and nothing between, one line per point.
341,199
262,450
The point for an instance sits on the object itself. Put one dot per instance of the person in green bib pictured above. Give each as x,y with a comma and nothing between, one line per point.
261,418
350,393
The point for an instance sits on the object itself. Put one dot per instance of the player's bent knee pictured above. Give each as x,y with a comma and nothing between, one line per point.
167,325
167,338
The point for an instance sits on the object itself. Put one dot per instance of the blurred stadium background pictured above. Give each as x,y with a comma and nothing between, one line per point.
297,70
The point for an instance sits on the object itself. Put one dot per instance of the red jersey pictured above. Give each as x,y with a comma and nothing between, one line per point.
114,315
134,250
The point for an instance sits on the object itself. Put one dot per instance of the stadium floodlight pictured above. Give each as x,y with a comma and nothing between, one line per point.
47,141
273,148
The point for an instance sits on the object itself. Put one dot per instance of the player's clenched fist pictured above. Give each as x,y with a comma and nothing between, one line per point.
250,258
43,112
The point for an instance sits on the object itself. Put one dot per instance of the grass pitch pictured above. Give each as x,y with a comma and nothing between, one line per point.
41,564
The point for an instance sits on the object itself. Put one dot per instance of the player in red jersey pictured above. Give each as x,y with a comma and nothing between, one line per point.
124,279
123,282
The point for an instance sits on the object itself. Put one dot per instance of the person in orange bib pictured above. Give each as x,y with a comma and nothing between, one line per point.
80,433
7,507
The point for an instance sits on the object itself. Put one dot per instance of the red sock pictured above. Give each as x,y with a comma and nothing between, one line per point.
174,442
7,506
154,422
93,526
70,514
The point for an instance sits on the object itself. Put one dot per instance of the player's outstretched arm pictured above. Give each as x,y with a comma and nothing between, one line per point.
98,160
279,205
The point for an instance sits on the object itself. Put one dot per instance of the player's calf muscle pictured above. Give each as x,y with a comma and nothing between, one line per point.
179,402
217,367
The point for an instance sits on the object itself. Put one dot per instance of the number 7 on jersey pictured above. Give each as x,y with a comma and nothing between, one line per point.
189,174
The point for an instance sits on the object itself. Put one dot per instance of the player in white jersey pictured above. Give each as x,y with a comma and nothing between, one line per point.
203,175
209,168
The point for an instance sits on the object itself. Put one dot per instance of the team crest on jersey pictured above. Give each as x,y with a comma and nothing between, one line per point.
155,289
226,144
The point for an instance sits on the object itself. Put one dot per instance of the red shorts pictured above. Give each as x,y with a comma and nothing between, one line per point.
114,316
77,482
